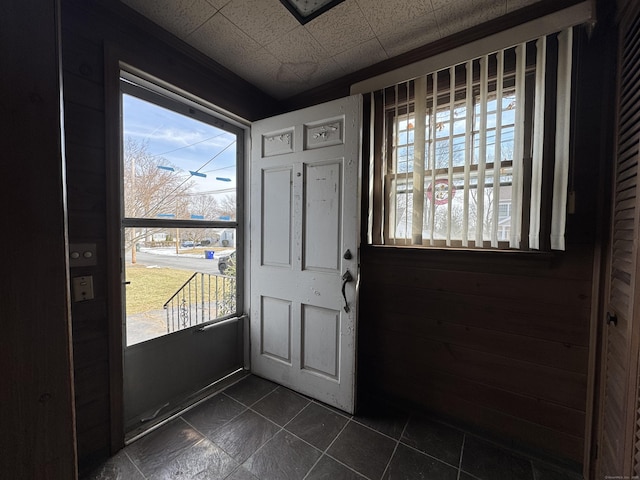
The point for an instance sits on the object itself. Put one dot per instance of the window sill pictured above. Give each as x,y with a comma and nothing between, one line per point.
464,258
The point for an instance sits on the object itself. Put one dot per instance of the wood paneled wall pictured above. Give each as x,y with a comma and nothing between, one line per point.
87,32
36,389
501,345
500,342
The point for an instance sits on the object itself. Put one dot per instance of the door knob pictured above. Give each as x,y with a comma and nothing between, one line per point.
612,318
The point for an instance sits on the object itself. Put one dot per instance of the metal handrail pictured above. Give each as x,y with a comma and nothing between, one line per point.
181,288
201,300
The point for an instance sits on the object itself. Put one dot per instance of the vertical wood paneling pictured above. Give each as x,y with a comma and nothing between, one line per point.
36,391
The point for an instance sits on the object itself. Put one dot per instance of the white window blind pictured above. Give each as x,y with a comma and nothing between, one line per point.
464,150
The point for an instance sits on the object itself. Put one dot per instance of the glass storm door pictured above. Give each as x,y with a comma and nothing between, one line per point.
181,250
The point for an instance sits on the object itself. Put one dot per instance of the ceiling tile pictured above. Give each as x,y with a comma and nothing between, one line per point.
361,56
262,20
341,28
180,17
222,40
454,18
298,46
325,71
387,17
266,72
485,10
443,3
416,32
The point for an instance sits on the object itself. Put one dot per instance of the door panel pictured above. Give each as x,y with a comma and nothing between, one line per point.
321,340
275,329
305,216
323,218
276,217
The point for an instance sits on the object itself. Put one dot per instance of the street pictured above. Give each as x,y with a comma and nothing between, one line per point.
181,262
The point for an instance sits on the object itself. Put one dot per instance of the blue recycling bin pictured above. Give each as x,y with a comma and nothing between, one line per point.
208,254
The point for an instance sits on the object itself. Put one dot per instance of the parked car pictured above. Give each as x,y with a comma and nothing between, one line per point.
187,244
226,260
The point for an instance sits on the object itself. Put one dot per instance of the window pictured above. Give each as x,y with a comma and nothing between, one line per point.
462,151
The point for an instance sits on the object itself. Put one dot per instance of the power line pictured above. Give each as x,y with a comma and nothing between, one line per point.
160,202
187,146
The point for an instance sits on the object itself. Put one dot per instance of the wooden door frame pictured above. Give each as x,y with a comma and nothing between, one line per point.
115,56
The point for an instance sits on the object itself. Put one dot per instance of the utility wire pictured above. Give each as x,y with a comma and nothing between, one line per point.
187,146
161,201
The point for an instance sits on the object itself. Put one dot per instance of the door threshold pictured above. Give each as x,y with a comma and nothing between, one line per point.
193,401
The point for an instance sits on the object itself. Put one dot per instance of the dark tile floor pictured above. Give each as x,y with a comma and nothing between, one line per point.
257,430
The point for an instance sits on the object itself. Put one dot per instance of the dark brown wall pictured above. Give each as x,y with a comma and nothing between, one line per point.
87,32
496,341
36,390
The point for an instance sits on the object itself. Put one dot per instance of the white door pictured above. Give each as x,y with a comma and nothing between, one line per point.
304,245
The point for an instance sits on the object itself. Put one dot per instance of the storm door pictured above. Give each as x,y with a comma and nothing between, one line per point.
181,250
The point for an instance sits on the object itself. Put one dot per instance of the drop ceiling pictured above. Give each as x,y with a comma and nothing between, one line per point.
262,42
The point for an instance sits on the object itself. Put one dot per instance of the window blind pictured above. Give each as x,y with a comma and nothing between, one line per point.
464,150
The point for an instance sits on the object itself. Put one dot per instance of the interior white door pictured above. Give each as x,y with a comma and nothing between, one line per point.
304,245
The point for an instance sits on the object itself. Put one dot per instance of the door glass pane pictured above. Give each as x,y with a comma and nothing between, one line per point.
178,278
176,166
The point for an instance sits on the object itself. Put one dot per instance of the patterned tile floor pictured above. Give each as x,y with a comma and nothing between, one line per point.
257,430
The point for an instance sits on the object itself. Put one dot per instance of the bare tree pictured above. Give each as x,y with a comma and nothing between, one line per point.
227,207
150,188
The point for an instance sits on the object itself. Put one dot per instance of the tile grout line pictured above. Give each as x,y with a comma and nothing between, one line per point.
323,453
386,468
326,450
246,409
134,464
428,455
395,449
464,439
302,439
282,428
404,444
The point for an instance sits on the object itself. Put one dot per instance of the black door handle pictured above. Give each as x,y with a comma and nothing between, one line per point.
346,278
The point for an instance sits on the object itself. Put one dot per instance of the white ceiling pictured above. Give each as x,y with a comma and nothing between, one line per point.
263,43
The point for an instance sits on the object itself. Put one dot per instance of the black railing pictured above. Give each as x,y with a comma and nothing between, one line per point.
201,299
